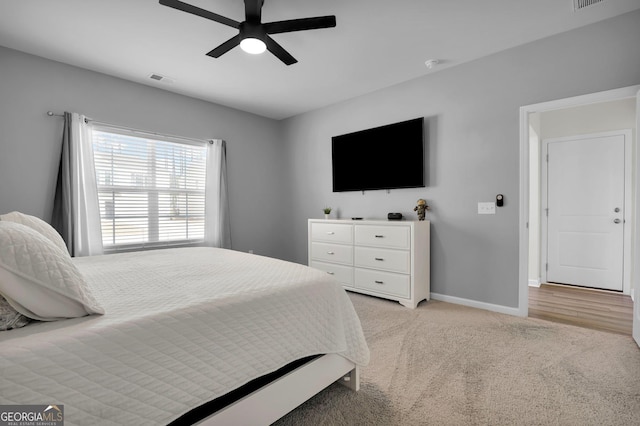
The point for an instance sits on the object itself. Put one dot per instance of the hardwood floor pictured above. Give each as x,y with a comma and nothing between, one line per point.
590,308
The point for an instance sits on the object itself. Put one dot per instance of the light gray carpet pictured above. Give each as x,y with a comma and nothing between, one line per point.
445,364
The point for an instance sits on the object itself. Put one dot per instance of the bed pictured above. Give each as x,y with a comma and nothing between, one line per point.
183,327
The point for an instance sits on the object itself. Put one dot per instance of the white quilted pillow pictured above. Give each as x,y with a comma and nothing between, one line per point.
40,280
39,225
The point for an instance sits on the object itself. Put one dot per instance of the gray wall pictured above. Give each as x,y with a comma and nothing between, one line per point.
472,112
30,140
280,172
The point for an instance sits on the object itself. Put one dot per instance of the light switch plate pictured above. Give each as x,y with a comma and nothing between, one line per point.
487,207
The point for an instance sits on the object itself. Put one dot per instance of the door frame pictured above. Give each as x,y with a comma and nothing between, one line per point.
605,96
628,198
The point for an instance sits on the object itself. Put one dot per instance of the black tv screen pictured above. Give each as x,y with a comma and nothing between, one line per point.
385,157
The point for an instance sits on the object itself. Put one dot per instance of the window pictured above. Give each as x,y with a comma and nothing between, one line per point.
151,189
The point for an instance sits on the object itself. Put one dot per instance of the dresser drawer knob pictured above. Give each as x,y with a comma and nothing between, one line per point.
330,273
330,252
379,282
379,236
330,233
379,259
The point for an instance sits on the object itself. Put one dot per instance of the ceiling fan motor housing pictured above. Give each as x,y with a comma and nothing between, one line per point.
252,30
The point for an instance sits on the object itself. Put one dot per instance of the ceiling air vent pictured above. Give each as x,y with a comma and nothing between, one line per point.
582,4
161,78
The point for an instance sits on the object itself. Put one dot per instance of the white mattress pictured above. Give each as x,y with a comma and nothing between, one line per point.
182,326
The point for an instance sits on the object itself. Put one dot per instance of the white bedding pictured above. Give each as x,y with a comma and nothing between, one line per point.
182,326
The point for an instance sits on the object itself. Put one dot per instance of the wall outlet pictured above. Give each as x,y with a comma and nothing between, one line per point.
487,208
250,251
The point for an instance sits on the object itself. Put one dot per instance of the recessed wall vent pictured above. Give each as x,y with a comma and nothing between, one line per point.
582,4
161,78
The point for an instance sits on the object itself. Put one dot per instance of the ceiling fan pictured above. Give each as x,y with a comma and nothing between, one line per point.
253,36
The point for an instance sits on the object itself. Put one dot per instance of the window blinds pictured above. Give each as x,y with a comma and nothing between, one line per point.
150,190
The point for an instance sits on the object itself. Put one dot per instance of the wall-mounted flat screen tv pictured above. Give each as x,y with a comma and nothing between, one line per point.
386,157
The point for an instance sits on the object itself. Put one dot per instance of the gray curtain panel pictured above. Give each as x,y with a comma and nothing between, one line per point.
62,219
225,223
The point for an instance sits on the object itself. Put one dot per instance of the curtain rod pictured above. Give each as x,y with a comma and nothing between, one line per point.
52,114
87,119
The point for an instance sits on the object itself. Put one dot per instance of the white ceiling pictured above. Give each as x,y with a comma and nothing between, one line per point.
376,43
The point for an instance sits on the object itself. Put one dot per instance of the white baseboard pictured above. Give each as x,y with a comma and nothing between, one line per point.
475,304
534,283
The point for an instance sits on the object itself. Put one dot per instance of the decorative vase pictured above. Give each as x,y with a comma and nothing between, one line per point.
326,215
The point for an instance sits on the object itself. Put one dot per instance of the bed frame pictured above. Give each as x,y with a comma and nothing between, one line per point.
269,403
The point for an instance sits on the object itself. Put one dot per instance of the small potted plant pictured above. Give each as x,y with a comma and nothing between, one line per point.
327,212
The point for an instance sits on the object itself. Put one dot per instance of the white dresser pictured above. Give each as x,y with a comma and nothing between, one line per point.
388,259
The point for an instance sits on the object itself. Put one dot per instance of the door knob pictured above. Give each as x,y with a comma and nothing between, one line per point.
617,209
616,220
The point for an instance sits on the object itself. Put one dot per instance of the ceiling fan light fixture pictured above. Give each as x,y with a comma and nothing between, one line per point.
255,46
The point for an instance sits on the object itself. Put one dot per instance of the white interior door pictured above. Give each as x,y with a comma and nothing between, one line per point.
636,280
585,202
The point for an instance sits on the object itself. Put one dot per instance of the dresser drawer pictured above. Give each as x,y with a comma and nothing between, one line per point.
332,232
383,236
383,282
378,258
332,253
342,273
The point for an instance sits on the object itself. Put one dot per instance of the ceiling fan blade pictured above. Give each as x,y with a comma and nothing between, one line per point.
253,10
200,12
279,51
225,47
300,24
